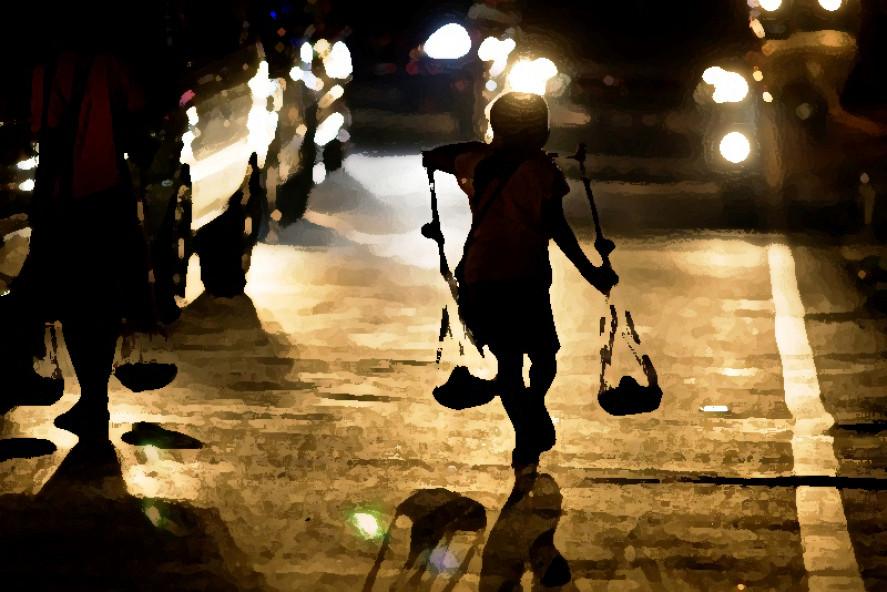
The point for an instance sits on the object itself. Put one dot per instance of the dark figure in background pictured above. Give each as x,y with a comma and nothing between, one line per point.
87,264
225,244
505,273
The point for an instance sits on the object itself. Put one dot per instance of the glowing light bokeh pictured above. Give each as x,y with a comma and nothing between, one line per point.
531,76
492,49
770,4
735,147
758,75
318,173
328,129
337,62
757,28
491,85
331,96
27,165
27,185
830,5
768,98
450,42
306,53
730,87
322,46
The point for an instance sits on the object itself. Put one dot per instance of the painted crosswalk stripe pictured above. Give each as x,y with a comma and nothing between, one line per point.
828,551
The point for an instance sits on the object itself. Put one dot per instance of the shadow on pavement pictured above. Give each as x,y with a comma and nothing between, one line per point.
24,448
521,540
83,531
221,342
866,513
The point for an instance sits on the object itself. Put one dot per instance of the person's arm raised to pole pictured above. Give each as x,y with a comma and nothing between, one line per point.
602,278
443,158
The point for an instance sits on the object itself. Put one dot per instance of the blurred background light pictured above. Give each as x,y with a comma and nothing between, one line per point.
450,42
531,76
730,87
27,165
830,5
492,49
328,129
306,53
337,62
735,147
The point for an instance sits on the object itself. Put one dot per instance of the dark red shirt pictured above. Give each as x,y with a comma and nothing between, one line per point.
109,91
511,241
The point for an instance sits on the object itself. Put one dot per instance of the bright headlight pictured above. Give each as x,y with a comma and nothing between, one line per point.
531,76
337,62
730,87
735,147
450,42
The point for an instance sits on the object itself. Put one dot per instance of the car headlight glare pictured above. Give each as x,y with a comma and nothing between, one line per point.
730,87
450,42
531,76
735,147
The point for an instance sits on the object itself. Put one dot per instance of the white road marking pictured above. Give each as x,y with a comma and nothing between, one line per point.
828,551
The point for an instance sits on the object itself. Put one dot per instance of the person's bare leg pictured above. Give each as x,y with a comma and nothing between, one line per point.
543,368
512,392
91,341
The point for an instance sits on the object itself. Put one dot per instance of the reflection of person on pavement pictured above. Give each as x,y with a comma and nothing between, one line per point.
515,193
524,534
86,266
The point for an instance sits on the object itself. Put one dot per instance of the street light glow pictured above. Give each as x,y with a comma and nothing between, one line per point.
306,53
735,147
450,42
491,49
830,5
337,62
328,130
27,185
27,165
531,76
730,87
770,4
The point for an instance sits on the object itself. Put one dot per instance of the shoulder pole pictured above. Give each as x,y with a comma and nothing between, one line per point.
603,245
433,231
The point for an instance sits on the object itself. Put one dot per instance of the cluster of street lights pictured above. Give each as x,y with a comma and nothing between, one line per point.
506,72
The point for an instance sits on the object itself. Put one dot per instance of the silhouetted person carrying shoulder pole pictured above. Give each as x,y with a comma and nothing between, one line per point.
87,265
515,193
